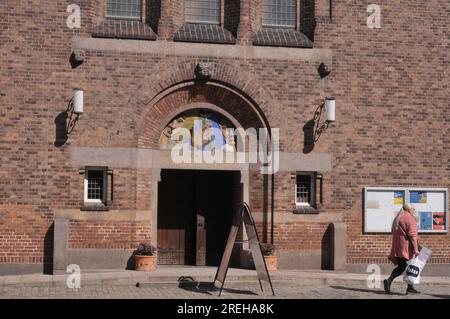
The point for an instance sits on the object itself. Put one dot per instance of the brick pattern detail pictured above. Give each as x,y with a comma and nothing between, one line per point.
126,235
123,29
25,236
281,37
208,33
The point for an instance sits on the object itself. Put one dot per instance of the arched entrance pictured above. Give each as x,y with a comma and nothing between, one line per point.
213,189
195,206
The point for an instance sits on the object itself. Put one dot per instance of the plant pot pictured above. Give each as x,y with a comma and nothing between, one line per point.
145,263
271,262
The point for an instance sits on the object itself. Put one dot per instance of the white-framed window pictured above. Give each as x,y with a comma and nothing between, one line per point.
304,189
280,13
95,185
124,9
203,11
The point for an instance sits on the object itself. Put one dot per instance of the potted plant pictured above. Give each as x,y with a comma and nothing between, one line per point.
145,257
268,251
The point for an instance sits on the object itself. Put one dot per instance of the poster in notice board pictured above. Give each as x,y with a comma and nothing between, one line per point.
382,204
431,207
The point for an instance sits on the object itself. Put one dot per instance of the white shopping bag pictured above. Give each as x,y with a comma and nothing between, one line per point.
415,266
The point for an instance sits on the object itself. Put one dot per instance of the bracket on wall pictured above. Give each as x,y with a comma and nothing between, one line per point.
65,123
71,116
77,58
203,70
320,127
324,70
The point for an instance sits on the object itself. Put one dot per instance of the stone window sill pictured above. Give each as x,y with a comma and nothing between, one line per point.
203,33
305,210
94,207
123,29
281,37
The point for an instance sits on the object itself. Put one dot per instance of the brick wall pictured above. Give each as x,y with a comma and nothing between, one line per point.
393,128
391,87
112,235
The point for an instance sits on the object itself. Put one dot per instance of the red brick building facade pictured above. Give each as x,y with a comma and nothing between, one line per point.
139,72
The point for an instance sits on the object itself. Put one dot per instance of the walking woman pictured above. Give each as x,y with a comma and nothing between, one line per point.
404,245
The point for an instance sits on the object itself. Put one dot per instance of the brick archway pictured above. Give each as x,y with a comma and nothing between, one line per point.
233,93
228,88
193,94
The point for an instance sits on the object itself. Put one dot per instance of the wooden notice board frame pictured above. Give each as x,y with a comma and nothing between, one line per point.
244,216
410,195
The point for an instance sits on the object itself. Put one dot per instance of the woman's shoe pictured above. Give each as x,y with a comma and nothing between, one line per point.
411,290
387,286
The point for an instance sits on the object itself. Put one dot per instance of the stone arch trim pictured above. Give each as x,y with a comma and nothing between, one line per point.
164,81
193,94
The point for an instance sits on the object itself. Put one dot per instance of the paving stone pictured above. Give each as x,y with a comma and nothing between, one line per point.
238,290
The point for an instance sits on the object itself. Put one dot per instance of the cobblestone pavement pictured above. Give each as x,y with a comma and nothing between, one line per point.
241,290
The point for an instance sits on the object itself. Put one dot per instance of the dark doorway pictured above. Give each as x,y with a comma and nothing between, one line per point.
195,209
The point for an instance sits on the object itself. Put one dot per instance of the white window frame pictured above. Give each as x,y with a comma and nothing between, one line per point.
205,22
105,184
125,17
312,189
280,25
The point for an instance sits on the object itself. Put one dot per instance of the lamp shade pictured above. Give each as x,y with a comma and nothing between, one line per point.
330,106
78,101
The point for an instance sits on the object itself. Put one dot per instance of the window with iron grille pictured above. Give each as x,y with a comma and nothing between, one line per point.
95,185
304,190
203,11
280,13
126,9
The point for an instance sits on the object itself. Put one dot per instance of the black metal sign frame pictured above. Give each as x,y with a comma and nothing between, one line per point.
244,215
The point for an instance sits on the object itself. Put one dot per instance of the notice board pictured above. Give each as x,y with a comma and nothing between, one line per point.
382,204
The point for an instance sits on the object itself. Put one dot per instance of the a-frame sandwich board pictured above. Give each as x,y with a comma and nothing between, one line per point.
244,215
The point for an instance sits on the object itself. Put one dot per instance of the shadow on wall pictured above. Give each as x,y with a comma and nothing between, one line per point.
308,136
131,262
326,249
64,124
48,250
308,18
232,10
153,12
60,127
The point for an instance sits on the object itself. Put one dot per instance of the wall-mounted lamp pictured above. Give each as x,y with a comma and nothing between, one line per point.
78,101
329,106
75,107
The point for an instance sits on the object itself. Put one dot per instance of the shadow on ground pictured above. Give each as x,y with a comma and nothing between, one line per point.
377,292
190,284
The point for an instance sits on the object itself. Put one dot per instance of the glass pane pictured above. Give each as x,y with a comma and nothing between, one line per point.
279,13
95,185
124,8
206,11
303,189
